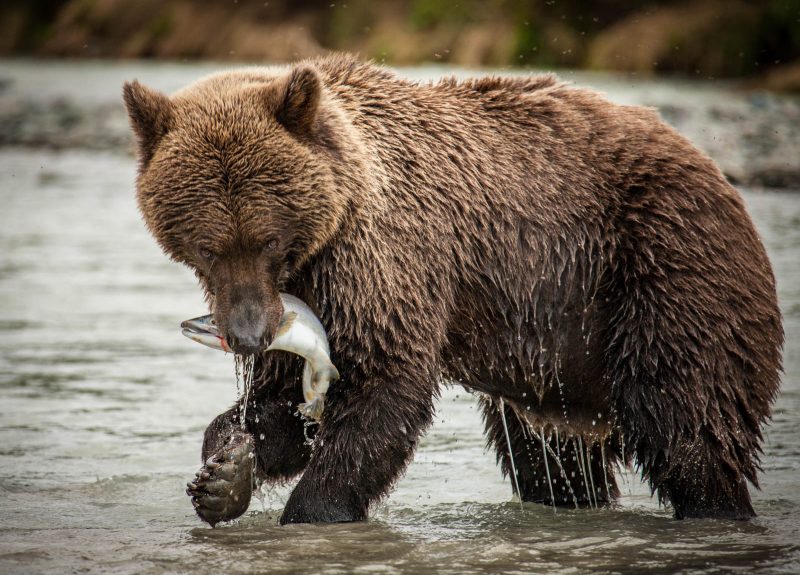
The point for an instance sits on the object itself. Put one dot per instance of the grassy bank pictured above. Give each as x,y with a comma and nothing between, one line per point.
706,38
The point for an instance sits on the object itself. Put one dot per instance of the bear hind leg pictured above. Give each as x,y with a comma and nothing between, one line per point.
579,470
693,350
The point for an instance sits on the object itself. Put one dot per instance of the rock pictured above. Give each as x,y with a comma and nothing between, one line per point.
753,136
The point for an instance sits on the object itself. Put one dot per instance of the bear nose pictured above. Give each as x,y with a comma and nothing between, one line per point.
246,329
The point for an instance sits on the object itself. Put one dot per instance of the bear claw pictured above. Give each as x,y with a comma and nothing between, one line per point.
222,488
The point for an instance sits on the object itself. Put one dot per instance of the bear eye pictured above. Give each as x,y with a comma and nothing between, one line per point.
206,254
271,245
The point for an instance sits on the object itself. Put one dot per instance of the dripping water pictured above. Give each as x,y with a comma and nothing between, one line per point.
558,445
588,460
237,368
557,458
244,368
502,409
547,470
561,390
581,467
605,469
525,430
563,471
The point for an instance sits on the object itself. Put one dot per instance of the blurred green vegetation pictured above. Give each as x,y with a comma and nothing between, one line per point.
707,38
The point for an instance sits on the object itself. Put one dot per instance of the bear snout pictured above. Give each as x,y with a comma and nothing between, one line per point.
247,327
252,320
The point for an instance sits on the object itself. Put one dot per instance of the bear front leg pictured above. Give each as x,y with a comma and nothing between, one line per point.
271,447
221,490
365,441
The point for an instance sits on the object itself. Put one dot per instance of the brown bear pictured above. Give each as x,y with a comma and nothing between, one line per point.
576,263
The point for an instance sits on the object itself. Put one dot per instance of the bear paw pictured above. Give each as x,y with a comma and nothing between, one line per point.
221,490
306,506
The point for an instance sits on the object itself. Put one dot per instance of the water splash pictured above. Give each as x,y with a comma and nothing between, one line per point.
307,423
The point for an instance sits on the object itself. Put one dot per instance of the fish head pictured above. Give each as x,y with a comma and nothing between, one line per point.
202,324
204,330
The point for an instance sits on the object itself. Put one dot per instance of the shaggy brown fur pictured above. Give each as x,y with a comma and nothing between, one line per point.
526,239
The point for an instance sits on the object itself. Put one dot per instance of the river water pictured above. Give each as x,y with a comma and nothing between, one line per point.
103,405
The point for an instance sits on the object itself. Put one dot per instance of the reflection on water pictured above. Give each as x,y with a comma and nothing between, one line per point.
103,404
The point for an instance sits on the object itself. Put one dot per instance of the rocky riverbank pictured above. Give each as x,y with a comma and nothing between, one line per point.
753,136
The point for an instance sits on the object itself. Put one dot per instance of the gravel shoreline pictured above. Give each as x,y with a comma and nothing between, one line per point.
754,137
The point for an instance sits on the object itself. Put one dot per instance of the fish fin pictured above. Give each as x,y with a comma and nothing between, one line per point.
286,323
313,408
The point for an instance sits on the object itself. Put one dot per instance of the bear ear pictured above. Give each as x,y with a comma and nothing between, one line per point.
299,101
150,113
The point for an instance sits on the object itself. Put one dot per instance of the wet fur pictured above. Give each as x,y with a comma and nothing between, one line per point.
524,238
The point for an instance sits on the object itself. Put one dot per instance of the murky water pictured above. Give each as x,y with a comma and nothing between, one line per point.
103,405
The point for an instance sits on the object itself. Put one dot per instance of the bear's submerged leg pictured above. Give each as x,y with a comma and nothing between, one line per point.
364,442
579,469
694,346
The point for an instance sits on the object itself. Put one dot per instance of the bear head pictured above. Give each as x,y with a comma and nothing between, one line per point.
237,180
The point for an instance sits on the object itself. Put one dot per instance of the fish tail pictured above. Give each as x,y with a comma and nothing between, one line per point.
313,408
